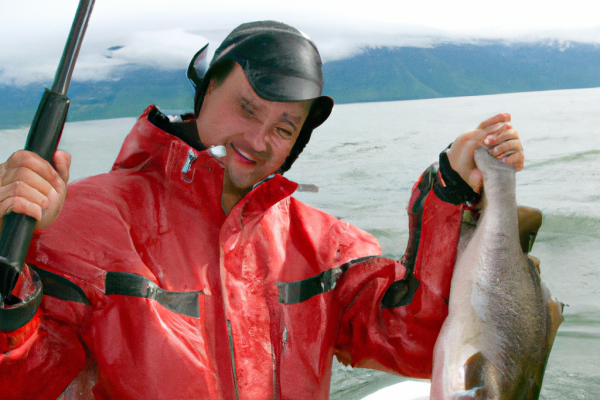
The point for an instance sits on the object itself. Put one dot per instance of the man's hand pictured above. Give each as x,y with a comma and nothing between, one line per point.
501,140
29,185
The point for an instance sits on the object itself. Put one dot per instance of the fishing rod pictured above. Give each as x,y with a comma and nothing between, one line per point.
44,135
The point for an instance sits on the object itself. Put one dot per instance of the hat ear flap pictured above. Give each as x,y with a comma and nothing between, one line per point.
320,110
198,66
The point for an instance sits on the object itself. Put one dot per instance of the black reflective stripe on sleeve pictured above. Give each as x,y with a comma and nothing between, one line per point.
415,219
126,284
299,291
60,287
427,181
22,310
400,293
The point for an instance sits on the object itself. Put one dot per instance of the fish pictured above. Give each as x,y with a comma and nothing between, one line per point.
502,319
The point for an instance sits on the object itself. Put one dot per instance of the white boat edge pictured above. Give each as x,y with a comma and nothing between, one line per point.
407,390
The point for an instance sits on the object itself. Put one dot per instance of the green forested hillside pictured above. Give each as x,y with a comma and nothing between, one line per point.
375,74
125,96
460,70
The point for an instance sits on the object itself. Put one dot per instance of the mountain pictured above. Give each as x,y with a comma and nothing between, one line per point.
125,96
449,70
374,74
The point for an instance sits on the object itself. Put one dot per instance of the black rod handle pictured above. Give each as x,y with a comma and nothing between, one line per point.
43,138
17,229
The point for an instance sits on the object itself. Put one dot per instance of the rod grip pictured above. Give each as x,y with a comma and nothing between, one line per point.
47,125
17,229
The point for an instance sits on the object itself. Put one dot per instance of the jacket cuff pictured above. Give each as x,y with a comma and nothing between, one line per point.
450,187
14,339
25,300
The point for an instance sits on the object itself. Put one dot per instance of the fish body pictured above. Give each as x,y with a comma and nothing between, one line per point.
502,319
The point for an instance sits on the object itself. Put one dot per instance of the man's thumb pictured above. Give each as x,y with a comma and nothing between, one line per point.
476,180
62,161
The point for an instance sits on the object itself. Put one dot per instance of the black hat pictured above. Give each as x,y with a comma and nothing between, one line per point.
281,64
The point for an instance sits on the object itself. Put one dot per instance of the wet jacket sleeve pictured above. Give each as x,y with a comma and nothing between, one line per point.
450,187
40,358
395,309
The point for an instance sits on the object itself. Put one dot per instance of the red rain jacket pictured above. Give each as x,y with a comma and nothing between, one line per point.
152,292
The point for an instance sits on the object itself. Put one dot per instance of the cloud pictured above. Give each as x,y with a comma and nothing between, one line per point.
344,38
163,49
165,36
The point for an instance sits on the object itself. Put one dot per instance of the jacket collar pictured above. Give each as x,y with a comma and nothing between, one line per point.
148,146
264,196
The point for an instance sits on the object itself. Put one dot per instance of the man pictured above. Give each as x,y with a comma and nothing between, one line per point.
182,275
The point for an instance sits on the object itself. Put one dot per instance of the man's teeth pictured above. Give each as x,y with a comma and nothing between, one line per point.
246,156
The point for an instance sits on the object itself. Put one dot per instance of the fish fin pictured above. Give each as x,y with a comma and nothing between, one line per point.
482,379
554,310
534,270
474,378
530,220
535,261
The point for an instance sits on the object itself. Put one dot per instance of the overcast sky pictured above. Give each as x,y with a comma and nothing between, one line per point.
166,34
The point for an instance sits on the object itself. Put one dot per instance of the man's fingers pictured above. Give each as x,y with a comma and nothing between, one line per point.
62,162
23,190
30,178
489,134
35,163
22,206
506,148
503,133
505,117
29,185
515,159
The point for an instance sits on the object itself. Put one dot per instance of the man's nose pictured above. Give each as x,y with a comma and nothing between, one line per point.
256,136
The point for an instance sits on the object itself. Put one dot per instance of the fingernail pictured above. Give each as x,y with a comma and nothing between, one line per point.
508,126
489,140
504,159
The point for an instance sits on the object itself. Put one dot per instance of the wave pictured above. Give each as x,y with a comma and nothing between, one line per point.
564,383
571,225
583,156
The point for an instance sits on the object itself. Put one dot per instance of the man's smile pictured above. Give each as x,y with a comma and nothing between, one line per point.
243,157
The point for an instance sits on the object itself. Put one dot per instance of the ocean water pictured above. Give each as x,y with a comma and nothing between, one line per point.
365,160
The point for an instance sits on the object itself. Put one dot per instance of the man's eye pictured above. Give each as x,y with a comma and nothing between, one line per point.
247,110
284,132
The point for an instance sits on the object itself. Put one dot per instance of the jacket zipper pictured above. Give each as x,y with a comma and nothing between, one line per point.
229,333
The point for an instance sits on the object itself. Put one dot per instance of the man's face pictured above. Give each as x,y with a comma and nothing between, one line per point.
257,134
